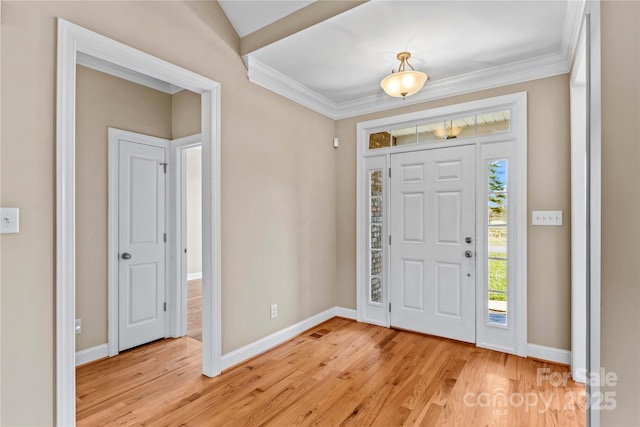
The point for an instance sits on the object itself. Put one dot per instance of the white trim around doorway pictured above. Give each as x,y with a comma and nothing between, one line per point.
594,205
72,41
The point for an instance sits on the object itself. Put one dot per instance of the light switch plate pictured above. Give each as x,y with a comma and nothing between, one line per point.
9,220
546,218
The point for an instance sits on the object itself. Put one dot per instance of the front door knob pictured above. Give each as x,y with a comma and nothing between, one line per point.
468,239
127,255
468,254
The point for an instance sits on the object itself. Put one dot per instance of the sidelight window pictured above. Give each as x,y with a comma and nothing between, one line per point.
375,235
498,229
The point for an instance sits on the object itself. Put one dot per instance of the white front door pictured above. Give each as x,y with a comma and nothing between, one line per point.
433,239
141,243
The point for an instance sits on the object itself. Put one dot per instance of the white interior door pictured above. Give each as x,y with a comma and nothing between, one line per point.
141,243
433,239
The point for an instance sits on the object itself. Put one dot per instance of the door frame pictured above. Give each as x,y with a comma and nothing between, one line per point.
579,212
114,136
72,40
517,141
179,202
593,229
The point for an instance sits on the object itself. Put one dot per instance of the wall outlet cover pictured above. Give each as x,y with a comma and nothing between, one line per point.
9,220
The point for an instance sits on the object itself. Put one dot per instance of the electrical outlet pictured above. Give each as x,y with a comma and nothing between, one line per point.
78,327
9,220
274,311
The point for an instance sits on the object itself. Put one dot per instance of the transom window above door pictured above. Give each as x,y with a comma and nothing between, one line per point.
443,129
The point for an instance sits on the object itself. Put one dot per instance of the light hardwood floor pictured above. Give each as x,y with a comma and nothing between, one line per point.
194,309
338,373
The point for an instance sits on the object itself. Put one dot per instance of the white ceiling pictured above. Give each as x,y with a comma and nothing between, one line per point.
247,16
335,67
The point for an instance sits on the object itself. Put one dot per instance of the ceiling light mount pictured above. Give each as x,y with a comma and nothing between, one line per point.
403,57
403,83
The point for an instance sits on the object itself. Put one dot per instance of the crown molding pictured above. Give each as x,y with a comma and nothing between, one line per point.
273,80
125,73
572,27
517,72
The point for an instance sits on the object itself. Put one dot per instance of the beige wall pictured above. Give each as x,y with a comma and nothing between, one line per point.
549,248
103,101
278,185
194,210
620,346
285,174
185,107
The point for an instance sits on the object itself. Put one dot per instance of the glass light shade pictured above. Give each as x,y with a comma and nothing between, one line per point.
403,83
452,132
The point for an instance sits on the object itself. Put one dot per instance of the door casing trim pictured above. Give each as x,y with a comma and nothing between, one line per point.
72,40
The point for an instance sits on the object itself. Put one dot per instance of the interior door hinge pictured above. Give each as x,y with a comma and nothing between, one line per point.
164,237
389,307
389,238
165,306
164,166
389,172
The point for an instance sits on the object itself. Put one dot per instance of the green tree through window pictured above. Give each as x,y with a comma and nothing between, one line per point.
497,189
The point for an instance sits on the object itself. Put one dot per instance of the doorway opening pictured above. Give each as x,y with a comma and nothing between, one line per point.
74,43
193,251
190,158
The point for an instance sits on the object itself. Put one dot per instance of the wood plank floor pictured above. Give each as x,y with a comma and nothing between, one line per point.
338,373
194,309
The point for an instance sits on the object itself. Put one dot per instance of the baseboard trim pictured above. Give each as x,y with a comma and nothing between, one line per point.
347,313
267,343
194,276
90,354
550,354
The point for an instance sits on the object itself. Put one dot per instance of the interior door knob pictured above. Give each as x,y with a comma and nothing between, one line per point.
127,255
468,254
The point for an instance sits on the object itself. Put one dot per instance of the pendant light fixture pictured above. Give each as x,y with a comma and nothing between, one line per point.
448,132
403,83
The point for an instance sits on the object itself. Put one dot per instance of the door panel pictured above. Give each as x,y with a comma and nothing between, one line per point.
432,211
143,200
412,280
448,289
412,173
141,228
448,205
141,284
413,218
